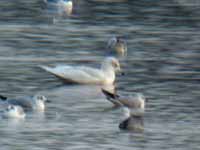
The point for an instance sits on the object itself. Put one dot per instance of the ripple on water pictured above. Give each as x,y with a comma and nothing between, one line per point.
162,63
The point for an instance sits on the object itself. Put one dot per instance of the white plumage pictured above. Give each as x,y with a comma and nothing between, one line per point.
14,111
28,103
87,75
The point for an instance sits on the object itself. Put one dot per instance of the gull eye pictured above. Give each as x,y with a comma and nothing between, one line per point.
43,98
118,39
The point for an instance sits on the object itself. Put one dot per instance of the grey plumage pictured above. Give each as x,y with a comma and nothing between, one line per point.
28,103
133,123
130,102
133,110
23,102
117,45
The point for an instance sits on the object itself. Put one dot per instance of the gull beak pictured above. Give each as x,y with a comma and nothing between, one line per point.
118,69
122,73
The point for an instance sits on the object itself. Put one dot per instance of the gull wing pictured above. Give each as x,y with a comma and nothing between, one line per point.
77,74
24,103
113,98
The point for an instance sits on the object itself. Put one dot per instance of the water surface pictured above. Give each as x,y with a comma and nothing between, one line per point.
163,63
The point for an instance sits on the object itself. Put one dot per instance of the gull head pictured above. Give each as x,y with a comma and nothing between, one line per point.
65,6
39,102
136,104
117,44
111,63
14,111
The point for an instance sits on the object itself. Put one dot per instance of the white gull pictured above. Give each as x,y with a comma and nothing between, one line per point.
87,75
14,111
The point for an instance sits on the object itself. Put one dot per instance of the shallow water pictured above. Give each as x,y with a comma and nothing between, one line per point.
163,63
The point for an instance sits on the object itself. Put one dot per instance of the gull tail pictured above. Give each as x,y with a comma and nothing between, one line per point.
48,69
109,95
113,98
3,98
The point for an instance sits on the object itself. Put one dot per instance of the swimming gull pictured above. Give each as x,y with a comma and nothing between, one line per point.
117,45
133,110
131,122
63,6
87,75
137,102
14,111
28,103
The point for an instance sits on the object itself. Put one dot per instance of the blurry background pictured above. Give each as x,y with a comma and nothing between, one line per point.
163,59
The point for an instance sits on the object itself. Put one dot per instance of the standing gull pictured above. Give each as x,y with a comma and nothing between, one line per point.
87,75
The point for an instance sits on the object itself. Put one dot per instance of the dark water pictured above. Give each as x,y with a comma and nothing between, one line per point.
163,63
